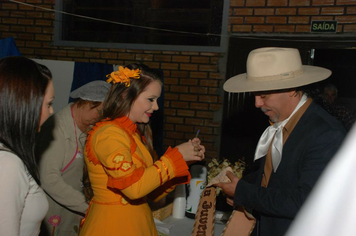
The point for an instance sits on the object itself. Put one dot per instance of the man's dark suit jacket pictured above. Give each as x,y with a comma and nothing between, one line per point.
308,149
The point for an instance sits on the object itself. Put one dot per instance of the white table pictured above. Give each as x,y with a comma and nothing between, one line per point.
184,227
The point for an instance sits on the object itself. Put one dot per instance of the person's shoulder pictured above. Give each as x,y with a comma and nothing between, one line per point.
10,161
318,118
106,126
317,111
58,122
106,133
8,155
342,108
63,116
13,172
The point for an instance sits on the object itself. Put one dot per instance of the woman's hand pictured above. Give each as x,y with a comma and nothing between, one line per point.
192,151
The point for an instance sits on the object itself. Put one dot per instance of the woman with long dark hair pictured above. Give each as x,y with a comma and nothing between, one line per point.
25,103
122,167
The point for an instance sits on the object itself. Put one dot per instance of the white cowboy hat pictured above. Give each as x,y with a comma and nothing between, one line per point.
274,69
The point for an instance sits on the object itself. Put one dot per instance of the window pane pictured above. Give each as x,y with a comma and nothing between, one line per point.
164,22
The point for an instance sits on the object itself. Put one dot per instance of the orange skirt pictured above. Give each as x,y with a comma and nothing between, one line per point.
123,220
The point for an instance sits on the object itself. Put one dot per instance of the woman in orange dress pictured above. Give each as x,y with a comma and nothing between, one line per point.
120,159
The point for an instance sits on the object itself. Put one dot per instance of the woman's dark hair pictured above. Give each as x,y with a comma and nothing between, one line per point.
22,88
120,98
45,71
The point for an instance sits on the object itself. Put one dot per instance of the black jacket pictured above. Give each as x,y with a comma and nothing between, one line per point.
308,149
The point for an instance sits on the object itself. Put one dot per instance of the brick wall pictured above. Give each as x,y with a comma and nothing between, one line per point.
192,79
289,16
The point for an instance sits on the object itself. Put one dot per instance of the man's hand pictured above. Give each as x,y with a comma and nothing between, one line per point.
229,188
230,201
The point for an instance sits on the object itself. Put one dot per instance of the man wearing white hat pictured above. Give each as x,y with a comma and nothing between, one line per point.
294,150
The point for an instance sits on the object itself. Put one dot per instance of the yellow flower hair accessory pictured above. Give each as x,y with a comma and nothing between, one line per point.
123,75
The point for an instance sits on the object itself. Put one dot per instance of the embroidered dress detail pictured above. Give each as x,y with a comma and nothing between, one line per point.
180,166
124,123
130,129
166,169
118,158
139,159
127,180
159,173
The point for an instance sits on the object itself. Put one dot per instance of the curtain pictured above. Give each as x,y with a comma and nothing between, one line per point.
8,48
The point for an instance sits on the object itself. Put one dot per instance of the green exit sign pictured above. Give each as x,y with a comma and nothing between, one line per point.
324,26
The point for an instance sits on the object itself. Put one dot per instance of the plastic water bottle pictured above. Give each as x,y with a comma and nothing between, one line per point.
179,202
196,186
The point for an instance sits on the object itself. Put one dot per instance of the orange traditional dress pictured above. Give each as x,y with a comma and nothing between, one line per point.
123,176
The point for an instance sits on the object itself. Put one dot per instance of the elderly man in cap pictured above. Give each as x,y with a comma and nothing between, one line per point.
60,149
294,150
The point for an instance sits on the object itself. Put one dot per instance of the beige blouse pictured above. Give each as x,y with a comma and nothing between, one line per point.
23,204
